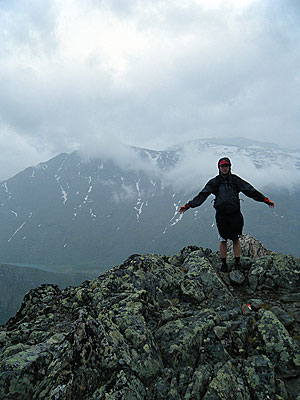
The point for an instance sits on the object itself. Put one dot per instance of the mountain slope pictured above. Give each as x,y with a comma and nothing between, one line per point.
160,327
71,211
16,281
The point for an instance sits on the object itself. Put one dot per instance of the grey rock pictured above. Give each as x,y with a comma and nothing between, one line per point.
255,304
278,345
260,375
158,327
228,383
220,331
285,318
251,247
237,277
291,297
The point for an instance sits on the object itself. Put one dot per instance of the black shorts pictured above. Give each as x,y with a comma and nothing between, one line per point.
230,226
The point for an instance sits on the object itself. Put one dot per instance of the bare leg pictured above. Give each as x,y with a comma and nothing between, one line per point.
237,247
237,253
223,254
223,249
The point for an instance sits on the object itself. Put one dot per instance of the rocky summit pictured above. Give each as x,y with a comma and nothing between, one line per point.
161,327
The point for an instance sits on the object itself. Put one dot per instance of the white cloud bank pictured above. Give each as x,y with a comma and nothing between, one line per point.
197,166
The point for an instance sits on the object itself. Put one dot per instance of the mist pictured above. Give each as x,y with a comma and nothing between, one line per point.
149,75
112,149
264,168
196,167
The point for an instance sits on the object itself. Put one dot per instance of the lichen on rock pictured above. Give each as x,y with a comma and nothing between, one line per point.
159,327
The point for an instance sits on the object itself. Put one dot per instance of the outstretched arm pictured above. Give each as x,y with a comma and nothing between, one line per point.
254,194
200,198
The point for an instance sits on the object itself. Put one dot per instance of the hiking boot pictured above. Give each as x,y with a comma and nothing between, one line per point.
224,267
238,267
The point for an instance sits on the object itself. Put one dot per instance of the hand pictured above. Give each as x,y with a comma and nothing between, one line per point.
269,202
183,209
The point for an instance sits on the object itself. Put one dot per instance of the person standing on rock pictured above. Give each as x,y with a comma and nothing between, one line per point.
226,188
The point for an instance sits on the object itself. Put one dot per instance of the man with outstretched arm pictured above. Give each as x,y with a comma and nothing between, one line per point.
226,188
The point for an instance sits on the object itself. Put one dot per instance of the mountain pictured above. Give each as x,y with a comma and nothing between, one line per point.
161,327
94,212
16,281
242,143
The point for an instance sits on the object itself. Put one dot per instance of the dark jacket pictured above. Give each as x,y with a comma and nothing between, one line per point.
226,189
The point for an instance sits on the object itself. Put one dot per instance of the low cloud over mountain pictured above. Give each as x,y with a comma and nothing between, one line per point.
75,210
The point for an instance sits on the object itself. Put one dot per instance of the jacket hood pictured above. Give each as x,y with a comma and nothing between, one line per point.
224,160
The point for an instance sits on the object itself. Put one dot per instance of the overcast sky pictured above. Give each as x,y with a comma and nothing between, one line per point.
147,73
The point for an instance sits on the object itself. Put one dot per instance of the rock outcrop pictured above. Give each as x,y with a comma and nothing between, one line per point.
251,247
16,281
160,327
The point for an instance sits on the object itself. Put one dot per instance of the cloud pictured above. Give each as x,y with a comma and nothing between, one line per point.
264,170
14,149
281,174
151,74
126,157
125,194
193,169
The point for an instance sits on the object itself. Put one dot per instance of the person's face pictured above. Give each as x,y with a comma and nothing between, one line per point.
224,168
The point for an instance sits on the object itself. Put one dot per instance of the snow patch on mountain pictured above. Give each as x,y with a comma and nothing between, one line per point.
20,227
4,184
94,200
